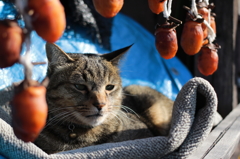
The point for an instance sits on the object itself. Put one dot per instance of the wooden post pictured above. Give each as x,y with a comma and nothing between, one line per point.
224,79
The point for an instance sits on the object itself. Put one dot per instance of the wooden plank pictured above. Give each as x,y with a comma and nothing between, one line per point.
223,140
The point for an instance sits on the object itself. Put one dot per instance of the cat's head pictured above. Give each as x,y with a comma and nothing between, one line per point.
84,89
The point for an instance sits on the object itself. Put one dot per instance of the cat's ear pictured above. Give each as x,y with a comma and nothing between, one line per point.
115,56
56,55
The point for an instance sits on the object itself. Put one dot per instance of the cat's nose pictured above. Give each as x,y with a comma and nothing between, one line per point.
99,106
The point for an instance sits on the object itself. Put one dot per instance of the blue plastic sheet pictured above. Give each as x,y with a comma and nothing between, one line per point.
142,64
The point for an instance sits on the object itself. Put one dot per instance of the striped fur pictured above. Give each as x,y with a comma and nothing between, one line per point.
85,98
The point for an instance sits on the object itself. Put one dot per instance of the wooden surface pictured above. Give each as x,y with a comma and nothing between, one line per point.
223,140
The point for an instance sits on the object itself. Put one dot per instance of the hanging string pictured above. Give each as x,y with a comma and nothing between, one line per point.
206,1
194,8
209,15
167,9
211,33
21,6
25,60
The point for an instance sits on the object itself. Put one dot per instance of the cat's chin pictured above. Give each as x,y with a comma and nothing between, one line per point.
92,120
95,120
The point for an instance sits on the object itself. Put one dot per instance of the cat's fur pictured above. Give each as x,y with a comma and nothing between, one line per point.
88,106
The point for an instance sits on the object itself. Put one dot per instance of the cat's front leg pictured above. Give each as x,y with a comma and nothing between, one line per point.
154,108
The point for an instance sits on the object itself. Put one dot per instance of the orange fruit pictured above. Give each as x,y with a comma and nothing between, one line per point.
29,112
156,6
11,39
48,18
192,37
108,8
166,42
208,60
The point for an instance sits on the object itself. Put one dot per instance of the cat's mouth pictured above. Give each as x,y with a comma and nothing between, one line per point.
94,115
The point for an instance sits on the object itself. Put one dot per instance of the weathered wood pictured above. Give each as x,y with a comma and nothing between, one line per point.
224,79
223,140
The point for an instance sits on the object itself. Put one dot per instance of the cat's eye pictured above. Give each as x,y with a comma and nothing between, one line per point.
81,87
109,87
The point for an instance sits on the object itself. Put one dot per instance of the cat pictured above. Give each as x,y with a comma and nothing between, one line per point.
88,106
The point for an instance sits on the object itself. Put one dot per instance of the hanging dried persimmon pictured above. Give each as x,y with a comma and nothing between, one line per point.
108,8
166,40
47,18
11,37
156,6
204,12
208,59
29,110
192,37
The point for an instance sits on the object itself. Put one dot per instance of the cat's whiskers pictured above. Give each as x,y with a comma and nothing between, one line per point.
129,94
125,115
52,120
124,109
127,109
56,118
77,106
121,115
62,119
116,115
66,118
52,110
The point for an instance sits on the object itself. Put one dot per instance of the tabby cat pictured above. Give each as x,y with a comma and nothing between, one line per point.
88,106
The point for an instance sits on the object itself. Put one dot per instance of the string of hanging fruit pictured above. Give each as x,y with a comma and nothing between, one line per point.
47,18
29,107
199,32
